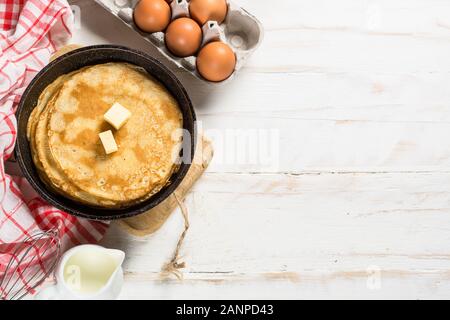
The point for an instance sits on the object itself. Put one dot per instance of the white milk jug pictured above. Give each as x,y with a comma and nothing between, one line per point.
87,272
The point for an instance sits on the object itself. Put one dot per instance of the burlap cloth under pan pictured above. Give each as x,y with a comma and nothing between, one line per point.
151,221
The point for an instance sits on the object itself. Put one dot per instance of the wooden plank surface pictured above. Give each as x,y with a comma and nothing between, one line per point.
353,199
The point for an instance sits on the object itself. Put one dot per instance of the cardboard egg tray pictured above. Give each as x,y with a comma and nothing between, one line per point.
240,30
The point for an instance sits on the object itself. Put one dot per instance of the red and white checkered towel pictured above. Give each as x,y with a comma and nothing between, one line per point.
30,31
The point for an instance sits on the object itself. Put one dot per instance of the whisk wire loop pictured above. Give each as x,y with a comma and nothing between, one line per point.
23,273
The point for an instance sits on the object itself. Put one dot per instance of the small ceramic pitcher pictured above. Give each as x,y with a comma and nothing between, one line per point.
87,272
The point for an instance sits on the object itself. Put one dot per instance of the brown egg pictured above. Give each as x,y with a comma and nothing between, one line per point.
183,37
216,61
152,15
204,10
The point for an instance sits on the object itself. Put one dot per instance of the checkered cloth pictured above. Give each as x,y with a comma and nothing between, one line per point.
30,31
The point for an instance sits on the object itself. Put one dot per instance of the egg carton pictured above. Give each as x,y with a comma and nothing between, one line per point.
240,30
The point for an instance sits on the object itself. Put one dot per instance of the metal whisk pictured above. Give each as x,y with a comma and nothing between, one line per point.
32,261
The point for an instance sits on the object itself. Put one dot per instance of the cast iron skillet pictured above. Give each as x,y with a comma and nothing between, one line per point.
73,61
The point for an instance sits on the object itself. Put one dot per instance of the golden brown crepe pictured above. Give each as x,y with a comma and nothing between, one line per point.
63,131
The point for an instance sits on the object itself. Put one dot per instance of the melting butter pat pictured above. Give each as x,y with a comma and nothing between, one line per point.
108,141
117,115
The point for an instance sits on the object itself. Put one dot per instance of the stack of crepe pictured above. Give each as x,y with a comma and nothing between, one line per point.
64,128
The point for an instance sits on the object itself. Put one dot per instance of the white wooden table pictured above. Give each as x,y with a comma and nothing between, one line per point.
357,96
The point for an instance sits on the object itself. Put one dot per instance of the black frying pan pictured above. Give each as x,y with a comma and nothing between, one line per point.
73,61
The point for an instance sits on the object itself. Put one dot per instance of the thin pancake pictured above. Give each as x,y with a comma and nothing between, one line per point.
144,162
37,135
35,116
50,174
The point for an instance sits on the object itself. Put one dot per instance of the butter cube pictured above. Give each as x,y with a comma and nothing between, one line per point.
117,115
108,141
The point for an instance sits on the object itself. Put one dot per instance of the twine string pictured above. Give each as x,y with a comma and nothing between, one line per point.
174,265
